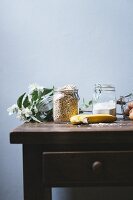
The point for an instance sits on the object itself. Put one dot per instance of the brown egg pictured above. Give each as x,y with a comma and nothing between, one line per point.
130,111
127,111
130,105
131,114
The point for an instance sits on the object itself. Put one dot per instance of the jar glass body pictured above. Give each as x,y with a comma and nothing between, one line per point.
65,105
104,100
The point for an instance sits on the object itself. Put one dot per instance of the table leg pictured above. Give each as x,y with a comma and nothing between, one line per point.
32,174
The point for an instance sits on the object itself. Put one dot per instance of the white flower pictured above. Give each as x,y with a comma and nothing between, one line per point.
29,97
26,112
35,86
19,115
35,109
22,116
13,109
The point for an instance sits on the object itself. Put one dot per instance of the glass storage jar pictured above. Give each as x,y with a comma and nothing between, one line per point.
65,104
104,99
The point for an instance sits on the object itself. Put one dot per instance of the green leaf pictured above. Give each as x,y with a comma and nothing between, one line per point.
90,102
20,100
34,95
26,102
49,116
35,119
47,90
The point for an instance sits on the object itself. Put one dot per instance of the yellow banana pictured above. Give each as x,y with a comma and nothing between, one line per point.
92,118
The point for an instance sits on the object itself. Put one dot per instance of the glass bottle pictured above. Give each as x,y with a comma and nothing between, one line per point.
104,99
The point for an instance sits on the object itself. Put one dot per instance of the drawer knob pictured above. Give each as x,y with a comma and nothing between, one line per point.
97,166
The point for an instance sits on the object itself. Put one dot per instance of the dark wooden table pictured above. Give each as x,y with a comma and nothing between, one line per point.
59,155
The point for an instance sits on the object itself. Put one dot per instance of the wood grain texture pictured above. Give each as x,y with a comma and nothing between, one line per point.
51,133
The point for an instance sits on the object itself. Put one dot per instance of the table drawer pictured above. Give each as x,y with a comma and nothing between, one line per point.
88,168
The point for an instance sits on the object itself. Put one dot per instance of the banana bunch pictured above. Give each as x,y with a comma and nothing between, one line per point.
92,118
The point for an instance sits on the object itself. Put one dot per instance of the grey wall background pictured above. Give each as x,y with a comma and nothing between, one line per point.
57,42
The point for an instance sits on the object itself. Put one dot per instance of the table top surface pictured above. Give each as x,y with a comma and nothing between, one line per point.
121,130
51,127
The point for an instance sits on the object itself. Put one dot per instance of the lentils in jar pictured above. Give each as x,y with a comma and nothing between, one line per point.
65,103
